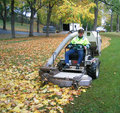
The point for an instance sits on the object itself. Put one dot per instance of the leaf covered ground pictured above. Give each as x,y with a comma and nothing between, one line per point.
21,88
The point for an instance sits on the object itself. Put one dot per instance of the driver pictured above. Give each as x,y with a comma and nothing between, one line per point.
80,39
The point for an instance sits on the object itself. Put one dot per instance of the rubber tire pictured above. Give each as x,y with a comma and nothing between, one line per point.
93,70
61,65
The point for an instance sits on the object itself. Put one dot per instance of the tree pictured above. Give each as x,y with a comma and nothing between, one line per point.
118,23
41,17
71,12
50,4
12,19
3,11
22,10
106,2
42,13
96,15
114,7
111,22
38,22
34,6
109,7
117,3
49,11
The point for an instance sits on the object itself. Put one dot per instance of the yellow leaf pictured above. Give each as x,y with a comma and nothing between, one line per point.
84,90
36,100
20,105
25,111
60,109
37,111
53,103
8,106
45,102
16,109
63,101
53,111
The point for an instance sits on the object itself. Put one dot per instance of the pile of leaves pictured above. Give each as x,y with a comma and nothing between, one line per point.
105,42
21,88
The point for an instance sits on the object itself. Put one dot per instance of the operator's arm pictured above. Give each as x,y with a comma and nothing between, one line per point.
70,45
73,41
87,43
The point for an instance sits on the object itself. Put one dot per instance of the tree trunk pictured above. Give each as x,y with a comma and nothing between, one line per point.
38,23
117,23
87,27
12,19
48,19
31,22
111,23
96,15
33,11
4,24
60,25
22,17
5,15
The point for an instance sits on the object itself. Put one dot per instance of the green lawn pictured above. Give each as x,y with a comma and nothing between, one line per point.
19,27
104,95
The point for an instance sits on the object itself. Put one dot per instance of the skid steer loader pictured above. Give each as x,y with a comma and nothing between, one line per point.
89,68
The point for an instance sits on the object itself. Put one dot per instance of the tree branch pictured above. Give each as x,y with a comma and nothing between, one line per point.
116,9
28,2
105,2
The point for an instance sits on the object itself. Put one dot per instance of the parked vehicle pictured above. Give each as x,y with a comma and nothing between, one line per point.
72,27
52,29
101,29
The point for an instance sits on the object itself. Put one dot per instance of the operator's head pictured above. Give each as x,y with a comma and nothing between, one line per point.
80,32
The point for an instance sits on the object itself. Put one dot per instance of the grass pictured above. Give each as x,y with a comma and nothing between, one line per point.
19,27
104,95
8,36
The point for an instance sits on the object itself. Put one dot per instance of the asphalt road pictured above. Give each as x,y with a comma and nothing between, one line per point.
27,33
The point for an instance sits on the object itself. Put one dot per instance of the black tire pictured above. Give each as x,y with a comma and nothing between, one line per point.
93,70
61,65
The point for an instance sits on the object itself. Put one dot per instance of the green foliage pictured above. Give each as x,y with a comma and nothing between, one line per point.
2,6
107,26
42,15
114,5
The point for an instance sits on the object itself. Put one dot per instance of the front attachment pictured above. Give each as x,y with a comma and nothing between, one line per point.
64,79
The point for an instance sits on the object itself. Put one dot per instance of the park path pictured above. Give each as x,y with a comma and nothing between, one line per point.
25,34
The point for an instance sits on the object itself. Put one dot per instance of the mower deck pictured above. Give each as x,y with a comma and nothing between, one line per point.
67,79
73,68
67,75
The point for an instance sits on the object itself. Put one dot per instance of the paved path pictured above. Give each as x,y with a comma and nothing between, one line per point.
27,33
20,32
